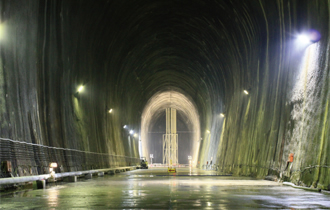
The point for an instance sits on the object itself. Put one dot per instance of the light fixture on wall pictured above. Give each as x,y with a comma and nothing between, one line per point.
246,92
309,37
303,39
131,132
110,110
2,31
125,126
79,90
208,131
53,165
222,115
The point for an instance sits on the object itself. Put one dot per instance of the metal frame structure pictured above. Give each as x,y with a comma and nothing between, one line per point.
170,139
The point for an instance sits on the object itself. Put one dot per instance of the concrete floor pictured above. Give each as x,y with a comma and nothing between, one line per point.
154,189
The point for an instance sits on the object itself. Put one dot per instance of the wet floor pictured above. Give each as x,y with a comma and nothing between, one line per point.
154,189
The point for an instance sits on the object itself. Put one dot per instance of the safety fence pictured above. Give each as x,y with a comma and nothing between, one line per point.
31,159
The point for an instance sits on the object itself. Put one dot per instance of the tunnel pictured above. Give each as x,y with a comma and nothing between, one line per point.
85,84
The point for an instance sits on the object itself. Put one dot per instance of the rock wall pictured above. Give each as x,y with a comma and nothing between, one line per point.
124,52
44,60
286,110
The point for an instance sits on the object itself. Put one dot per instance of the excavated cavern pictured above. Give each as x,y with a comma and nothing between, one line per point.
136,58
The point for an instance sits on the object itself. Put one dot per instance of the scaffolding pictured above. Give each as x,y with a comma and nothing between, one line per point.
170,139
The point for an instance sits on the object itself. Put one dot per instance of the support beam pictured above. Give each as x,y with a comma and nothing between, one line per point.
170,139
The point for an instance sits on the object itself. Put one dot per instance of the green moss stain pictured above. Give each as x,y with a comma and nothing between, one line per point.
78,112
323,138
300,149
4,123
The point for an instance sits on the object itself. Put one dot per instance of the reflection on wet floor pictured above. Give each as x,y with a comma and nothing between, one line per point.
150,189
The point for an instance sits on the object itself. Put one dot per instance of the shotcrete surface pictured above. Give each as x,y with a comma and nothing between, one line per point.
156,189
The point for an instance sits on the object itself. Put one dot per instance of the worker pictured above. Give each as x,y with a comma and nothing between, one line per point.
290,160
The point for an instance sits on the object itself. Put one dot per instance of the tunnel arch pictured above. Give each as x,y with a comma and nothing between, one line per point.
157,104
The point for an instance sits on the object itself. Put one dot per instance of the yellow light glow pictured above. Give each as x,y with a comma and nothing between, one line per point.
110,110
135,135
53,165
80,88
222,115
2,31
246,92
208,131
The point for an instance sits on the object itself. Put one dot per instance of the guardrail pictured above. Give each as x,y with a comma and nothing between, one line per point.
165,165
16,180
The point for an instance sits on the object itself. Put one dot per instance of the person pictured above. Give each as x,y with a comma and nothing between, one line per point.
290,160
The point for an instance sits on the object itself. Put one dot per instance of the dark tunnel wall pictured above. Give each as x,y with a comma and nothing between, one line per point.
44,59
286,110
124,52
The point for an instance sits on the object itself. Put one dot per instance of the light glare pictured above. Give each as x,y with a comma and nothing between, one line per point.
80,88
207,131
131,132
53,165
222,115
110,110
246,92
2,31
303,39
125,126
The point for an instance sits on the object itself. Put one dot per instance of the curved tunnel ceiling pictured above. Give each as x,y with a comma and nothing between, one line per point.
201,48
206,50
156,107
126,52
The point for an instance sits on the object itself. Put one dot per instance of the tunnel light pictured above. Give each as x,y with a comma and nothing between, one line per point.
222,115
131,132
207,131
80,88
135,135
303,39
2,31
125,126
110,110
53,165
246,92
308,37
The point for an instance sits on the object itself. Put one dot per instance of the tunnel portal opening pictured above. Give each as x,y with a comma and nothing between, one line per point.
185,138
153,126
